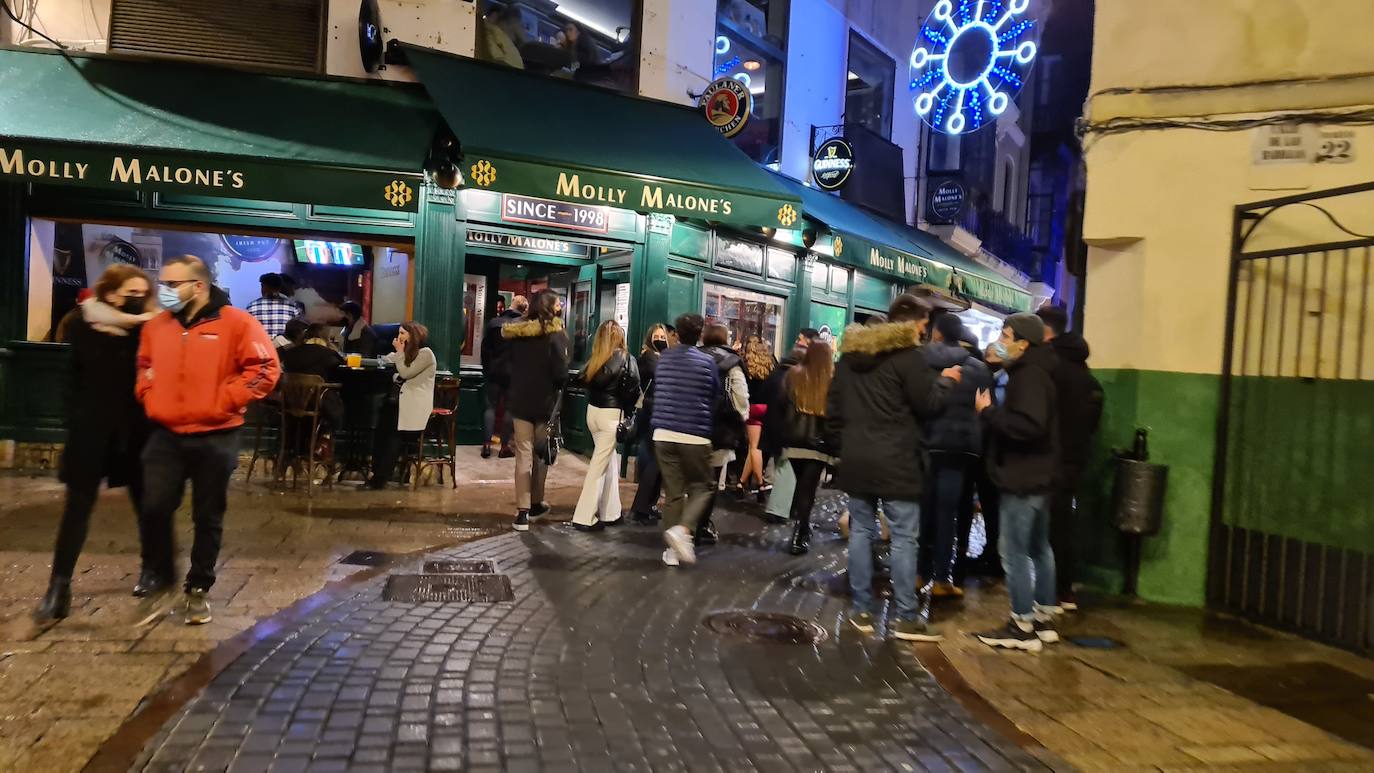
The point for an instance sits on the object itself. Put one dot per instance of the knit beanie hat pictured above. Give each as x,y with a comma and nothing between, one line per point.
1027,326
951,329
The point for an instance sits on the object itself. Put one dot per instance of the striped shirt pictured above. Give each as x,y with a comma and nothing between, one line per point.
273,313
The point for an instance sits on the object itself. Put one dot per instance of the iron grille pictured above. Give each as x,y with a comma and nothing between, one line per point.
275,34
445,588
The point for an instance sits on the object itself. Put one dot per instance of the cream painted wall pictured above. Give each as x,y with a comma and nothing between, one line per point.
81,25
446,25
679,39
389,285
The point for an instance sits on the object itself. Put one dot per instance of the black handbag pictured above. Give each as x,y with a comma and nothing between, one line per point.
628,427
546,448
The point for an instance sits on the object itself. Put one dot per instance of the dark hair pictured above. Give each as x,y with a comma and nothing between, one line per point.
289,282
950,327
419,335
197,266
114,278
270,281
715,334
908,308
317,330
809,333
689,327
296,329
352,309
1056,318
542,308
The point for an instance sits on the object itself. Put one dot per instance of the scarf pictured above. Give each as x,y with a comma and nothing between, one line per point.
109,320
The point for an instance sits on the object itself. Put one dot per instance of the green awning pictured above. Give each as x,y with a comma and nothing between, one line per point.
199,130
541,136
878,245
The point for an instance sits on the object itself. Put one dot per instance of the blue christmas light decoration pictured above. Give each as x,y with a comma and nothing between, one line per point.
971,59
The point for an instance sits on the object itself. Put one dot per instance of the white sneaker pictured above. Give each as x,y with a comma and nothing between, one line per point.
680,540
670,558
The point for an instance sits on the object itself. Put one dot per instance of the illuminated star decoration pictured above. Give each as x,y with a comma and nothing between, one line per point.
995,50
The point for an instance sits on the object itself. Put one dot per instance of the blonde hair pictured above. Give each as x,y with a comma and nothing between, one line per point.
758,358
609,339
808,382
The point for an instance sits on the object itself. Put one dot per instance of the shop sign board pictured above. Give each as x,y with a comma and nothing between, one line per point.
833,164
627,191
219,176
556,214
543,245
946,202
252,249
876,258
727,104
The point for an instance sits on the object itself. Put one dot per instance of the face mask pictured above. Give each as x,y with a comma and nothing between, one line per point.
1000,349
660,345
133,305
170,299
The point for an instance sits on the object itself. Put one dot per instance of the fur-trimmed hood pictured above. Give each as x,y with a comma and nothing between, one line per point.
866,346
530,328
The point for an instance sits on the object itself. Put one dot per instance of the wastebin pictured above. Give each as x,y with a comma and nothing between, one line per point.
1138,496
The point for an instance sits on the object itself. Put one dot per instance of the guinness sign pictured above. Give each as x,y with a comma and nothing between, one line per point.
833,164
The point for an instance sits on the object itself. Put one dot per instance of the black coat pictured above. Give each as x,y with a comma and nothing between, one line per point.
882,390
1023,432
1080,405
727,430
956,428
771,439
366,345
616,385
496,349
106,427
648,366
801,430
539,361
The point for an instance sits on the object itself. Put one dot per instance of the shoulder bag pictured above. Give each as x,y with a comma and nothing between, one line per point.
546,448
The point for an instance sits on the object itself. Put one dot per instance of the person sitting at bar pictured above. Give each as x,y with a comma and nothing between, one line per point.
293,335
358,336
315,357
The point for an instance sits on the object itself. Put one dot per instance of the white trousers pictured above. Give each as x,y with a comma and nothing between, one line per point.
601,489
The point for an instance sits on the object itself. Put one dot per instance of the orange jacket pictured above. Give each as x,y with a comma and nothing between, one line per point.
201,378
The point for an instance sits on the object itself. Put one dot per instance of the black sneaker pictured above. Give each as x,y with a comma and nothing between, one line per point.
707,535
522,520
598,526
645,519
913,630
862,621
539,509
1046,632
1013,637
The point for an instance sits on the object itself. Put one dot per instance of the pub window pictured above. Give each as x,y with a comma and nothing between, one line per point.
746,313
588,41
751,47
869,84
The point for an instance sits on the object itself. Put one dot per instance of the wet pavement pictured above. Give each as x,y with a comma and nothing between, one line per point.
603,661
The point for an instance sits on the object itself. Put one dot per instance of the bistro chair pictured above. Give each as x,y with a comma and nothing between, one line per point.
302,429
438,446
265,420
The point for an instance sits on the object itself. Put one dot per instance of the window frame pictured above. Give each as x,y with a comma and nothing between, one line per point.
869,48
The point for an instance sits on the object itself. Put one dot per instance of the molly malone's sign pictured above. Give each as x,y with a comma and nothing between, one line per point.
239,178
539,244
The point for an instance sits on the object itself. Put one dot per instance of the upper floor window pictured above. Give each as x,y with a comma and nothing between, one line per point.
588,41
869,86
751,47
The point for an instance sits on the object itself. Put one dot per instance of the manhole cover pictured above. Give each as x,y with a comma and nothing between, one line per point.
462,566
419,588
765,626
367,558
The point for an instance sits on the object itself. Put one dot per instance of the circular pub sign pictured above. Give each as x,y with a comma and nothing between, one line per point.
727,104
251,249
946,201
833,164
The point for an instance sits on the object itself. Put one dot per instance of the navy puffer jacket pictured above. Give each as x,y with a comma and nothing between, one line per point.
956,428
686,388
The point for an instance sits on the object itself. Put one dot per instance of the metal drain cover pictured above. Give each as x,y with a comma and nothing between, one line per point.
367,558
461,566
446,588
765,626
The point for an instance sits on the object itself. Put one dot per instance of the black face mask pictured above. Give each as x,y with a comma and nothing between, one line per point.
660,345
133,305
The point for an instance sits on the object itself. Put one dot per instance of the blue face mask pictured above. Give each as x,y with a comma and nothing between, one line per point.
1000,349
170,299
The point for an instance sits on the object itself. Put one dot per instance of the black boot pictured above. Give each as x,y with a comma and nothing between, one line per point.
486,450
57,604
150,582
706,534
801,538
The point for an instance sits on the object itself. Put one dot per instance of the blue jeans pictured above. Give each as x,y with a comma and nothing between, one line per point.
904,519
1025,544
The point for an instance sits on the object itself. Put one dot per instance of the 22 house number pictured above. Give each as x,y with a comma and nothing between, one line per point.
1335,152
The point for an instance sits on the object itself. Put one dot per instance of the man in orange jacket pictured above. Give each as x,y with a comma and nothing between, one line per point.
200,363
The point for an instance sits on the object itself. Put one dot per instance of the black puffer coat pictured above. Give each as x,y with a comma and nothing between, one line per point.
1080,405
1023,432
106,427
771,439
538,366
616,385
883,388
956,428
496,349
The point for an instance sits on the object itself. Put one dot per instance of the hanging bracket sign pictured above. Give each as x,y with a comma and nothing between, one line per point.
727,104
833,164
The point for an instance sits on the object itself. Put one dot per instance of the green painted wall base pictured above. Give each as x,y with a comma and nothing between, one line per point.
1180,411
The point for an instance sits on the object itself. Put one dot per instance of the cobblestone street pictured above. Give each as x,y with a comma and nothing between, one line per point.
605,659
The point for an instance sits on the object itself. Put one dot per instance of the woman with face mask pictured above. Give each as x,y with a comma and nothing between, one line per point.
645,508
105,422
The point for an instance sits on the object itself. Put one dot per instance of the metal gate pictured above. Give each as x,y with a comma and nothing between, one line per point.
1292,526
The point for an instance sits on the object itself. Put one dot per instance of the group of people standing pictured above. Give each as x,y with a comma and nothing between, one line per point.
912,419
